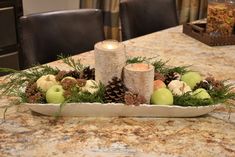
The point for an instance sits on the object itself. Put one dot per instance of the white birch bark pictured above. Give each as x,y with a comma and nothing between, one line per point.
109,62
139,78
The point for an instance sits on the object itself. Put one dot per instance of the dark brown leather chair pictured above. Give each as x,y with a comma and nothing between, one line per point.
140,17
9,60
44,36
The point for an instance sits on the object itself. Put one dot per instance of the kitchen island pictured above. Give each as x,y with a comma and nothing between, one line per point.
28,134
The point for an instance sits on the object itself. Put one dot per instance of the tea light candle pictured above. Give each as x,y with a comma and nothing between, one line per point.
139,78
110,44
110,58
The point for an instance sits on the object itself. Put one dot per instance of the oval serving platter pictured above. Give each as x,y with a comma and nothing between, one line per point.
118,110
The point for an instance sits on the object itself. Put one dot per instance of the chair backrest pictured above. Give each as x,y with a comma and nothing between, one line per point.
44,36
140,17
9,60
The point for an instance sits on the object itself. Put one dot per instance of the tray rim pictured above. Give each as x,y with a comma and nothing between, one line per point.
121,110
121,104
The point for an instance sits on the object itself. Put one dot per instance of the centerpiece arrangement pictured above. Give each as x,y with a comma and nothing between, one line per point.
117,86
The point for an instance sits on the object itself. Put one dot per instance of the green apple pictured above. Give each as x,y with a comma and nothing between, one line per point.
162,96
191,79
201,93
55,94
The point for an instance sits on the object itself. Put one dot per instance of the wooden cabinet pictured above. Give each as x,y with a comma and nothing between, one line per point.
10,11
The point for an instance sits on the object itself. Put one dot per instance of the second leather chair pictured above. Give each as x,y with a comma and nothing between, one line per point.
44,36
140,17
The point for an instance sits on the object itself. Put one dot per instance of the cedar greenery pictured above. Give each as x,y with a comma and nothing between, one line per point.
159,65
15,83
77,96
188,100
17,80
76,65
222,95
136,60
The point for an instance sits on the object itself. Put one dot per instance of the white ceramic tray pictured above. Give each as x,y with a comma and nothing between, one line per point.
117,110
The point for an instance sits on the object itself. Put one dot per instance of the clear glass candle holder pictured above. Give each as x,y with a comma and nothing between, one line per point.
220,17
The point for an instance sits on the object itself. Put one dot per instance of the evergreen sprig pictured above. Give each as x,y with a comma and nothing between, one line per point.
188,100
76,65
8,70
14,83
159,65
222,95
136,60
179,69
83,96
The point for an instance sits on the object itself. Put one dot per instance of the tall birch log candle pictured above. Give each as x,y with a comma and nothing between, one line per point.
110,58
139,78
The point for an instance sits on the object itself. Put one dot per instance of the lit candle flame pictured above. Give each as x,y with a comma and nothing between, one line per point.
110,45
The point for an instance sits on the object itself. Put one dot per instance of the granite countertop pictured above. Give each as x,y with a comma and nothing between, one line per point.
28,134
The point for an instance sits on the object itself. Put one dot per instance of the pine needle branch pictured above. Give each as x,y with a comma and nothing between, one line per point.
136,60
223,94
14,83
188,100
12,103
159,65
81,96
76,65
8,70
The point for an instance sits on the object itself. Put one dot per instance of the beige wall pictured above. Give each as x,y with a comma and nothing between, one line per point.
35,6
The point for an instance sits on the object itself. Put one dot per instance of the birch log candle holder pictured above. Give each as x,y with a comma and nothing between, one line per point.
139,78
110,58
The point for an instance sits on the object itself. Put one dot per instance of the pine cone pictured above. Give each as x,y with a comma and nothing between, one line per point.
88,73
210,80
68,83
74,73
61,75
171,76
216,84
159,76
31,89
115,91
203,84
129,98
81,82
67,93
134,99
33,94
37,98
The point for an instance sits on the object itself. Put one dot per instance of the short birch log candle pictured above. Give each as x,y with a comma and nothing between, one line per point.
139,78
110,59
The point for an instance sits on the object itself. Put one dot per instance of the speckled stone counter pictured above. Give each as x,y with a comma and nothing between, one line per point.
28,134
